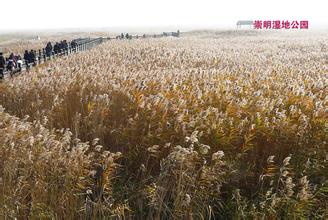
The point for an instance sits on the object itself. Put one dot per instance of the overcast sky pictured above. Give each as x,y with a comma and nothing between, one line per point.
56,14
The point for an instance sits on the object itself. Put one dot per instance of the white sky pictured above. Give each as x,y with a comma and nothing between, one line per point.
55,14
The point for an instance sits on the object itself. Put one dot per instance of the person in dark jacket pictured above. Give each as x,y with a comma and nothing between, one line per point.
57,48
73,45
2,65
27,58
61,46
48,49
33,57
13,59
65,45
10,65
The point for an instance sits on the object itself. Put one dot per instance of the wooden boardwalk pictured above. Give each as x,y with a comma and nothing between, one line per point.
83,44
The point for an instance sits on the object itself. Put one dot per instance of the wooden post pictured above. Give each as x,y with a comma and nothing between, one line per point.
44,55
39,58
27,65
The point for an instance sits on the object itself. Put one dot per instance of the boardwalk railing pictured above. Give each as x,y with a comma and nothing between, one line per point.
82,44
42,56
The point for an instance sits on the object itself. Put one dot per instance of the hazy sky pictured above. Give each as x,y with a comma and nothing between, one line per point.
54,14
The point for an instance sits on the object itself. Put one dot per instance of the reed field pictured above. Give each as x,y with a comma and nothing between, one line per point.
205,126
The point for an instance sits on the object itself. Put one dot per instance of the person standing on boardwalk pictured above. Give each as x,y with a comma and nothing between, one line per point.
11,64
65,46
2,65
19,63
73,45
27,58
62,47
57,48
48,49
33,57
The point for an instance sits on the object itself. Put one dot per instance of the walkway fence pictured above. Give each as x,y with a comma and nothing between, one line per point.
82,44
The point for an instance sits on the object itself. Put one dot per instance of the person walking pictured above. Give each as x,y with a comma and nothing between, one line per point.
10,64
27,59
48,49
33,57
19,63
57,48
2,65
73,45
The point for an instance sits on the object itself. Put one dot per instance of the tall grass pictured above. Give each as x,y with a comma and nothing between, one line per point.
199,128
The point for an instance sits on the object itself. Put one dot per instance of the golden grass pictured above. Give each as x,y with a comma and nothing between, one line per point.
207,128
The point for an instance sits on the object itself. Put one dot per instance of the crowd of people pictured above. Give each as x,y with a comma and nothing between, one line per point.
11,63
127,36
14,63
